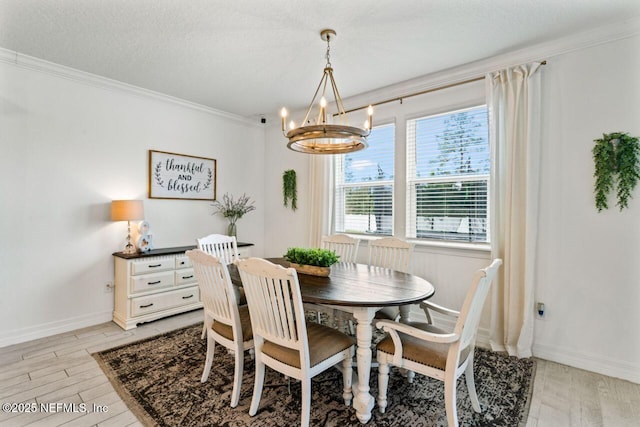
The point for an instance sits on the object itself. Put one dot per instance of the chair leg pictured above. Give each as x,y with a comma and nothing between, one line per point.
471,385
409,375
257,386
383,384
306,402
237,377
211,347
205,326
450,398
347,375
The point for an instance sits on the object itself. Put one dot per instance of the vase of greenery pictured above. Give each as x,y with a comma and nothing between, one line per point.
233,210
314,261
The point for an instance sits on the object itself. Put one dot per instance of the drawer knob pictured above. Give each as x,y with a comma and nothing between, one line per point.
146,306
190,296
187,277
154,283
155,265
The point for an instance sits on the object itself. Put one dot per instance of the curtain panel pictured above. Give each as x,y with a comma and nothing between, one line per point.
321,198
513,100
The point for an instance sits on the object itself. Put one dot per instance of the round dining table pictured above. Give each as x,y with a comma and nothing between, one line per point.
362,290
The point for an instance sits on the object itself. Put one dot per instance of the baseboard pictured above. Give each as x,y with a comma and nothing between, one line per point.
565,356
589,362
52,328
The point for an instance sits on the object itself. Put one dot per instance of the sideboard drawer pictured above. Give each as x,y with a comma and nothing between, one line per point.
150,282
185,276
152,266
182,261
244,252
164,301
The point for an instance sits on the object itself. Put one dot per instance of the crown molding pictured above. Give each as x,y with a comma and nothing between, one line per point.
539,52
36,64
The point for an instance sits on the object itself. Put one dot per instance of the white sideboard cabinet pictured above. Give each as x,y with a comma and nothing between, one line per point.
156,284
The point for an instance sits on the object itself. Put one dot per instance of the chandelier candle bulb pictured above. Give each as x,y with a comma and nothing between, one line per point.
283,114
323,109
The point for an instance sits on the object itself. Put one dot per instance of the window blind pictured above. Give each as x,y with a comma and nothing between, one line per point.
364,186
448,176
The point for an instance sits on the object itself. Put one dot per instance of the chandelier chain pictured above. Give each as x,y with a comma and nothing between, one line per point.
328,51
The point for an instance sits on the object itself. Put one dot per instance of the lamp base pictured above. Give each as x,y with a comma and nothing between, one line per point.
129,249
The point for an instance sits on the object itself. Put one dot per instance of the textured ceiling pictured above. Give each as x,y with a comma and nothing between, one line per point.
251,57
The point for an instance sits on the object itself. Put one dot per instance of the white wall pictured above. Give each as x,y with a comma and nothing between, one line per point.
68,147
588,273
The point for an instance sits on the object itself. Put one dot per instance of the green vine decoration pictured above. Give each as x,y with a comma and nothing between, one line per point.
289,189
617,164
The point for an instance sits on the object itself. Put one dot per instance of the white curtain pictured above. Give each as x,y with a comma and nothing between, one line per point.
513,99
320,197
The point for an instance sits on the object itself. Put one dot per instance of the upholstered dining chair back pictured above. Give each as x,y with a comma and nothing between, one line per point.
225,322
225,248
471,311
392,253
344,246
284,341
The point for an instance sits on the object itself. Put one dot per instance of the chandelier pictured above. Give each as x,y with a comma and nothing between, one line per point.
318,134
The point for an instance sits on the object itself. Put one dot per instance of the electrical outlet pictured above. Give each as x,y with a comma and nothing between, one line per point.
540,310
108,287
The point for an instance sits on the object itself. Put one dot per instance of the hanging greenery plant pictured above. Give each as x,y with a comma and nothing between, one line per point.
617,164
289,189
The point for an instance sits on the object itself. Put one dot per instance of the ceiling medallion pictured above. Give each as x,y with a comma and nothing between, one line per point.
318,133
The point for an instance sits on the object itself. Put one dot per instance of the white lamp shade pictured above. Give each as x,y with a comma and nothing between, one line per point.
127,210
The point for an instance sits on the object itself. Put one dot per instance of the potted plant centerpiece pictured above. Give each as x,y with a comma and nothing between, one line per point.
233,210
315,261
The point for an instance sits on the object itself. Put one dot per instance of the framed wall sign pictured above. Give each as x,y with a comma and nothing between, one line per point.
176,176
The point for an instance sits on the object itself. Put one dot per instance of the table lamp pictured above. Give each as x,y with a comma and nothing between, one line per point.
127,210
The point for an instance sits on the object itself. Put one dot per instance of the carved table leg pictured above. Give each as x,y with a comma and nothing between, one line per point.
405,313
363,400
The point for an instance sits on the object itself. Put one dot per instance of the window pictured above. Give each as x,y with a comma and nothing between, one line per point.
364,186
448,176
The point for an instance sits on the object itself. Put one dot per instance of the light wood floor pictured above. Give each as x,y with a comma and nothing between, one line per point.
60,369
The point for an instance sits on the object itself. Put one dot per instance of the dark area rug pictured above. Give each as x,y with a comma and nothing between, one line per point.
159,379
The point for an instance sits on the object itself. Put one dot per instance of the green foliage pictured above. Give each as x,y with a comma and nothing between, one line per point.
617,163
233,209
314,256
289,189
457,144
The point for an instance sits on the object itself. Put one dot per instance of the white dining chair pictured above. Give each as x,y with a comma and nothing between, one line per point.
344,246
225,248
230,324
394,254
437,353
284,341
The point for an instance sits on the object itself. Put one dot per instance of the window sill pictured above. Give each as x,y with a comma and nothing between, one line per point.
475,247
419,243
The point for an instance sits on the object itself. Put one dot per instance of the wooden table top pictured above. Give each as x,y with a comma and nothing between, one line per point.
357,285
